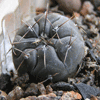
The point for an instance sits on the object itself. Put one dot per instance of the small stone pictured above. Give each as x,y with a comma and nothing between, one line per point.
76,95
91,54
94,30
58,97
85,90
92,18
49,89
91,34
71,96
15,94
32,90
41,88
50,96
23,79
3,95
42,97
59,93
88,44
62,86
29,98
69,6
87,8
4,81
66,96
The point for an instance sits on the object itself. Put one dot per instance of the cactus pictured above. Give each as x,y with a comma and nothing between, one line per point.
46,45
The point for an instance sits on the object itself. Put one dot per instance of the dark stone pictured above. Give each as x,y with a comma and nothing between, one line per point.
31,90
60,93
93,57
21,80
91,34
5,82
86,90
62,86
88,44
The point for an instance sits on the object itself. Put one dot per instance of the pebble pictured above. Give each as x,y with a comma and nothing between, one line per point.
91,33
71,96
58,98
94,29
4,81
88,44
49,89
87,8
62,86
23,79
31,90
3,95
69,6
60,93
50,96
93,19
41,88
15,94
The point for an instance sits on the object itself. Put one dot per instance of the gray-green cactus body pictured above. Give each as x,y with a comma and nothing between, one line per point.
43,55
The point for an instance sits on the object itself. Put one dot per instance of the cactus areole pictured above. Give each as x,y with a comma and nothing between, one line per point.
48,45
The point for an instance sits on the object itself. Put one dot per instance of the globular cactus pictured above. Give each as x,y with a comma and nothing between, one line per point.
50,44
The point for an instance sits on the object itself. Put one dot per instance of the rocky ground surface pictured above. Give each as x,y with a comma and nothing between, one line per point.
86,84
